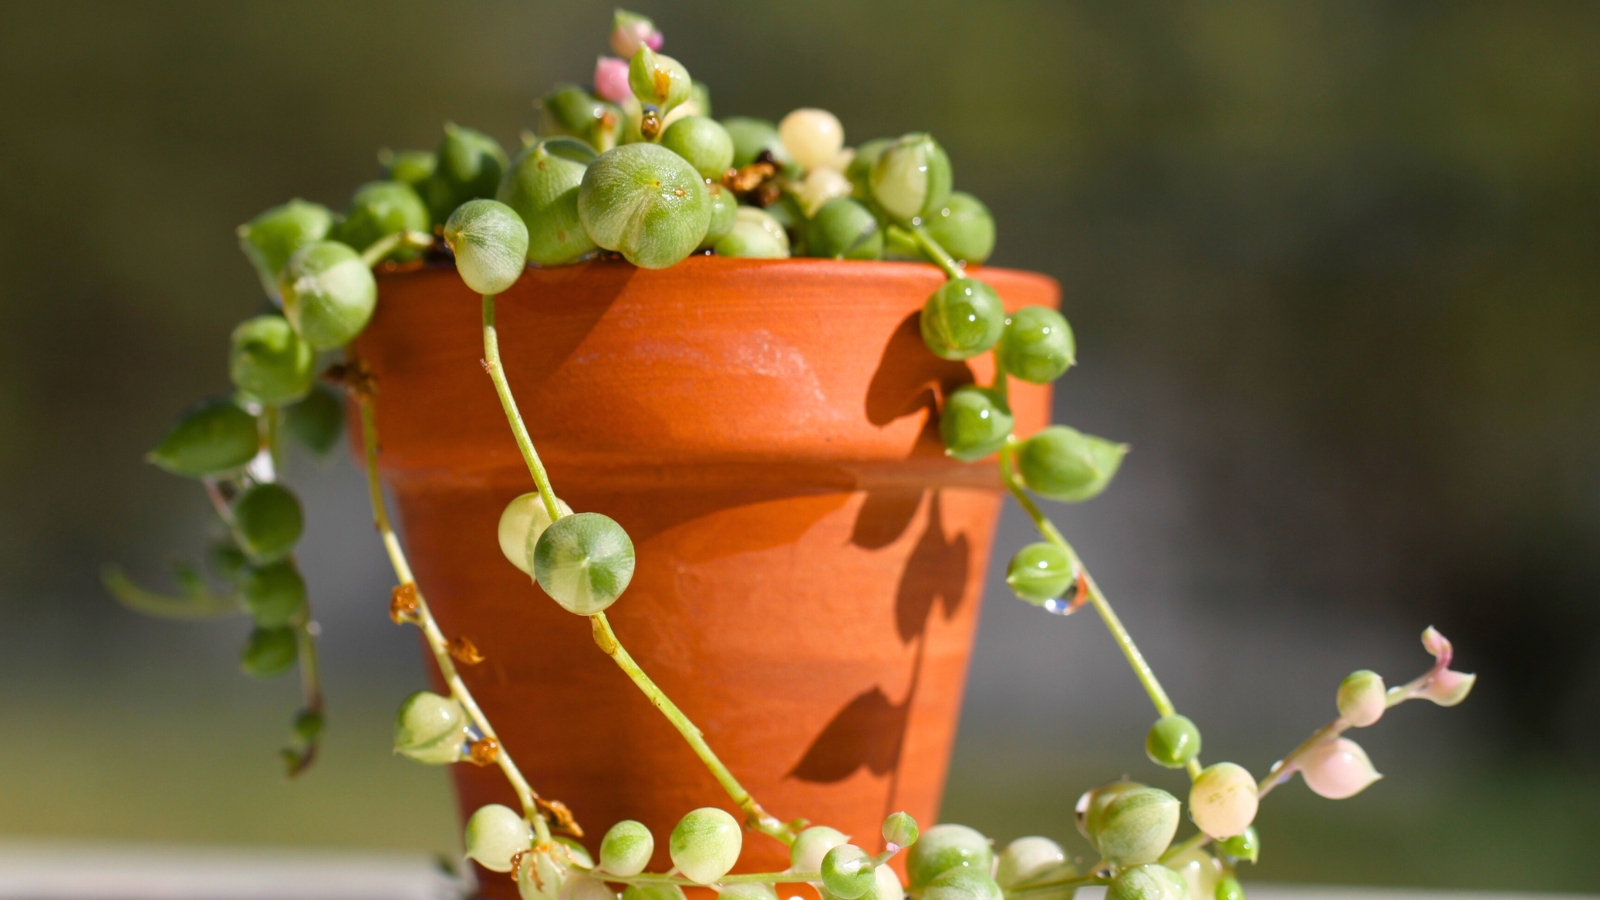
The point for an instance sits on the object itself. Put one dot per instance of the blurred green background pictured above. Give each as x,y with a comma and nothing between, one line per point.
1333,268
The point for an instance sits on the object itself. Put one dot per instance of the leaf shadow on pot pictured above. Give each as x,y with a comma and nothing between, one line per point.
869,731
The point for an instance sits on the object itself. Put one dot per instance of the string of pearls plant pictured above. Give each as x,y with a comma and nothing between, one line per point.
637,167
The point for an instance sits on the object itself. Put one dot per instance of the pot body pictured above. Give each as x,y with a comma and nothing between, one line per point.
809,562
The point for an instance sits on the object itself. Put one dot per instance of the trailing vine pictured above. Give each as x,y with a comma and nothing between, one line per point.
638,168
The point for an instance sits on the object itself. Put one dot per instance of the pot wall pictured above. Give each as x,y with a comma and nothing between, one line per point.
809,563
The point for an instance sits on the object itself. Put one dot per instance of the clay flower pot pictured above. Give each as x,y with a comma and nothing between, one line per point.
809,561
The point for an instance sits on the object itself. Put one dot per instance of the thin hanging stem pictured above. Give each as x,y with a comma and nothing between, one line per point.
497,374
755,816
1119,633
531,802
937,253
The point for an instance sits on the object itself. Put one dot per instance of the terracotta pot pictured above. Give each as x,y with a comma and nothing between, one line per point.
809,562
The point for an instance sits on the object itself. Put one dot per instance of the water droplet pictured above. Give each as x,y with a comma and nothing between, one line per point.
1059,606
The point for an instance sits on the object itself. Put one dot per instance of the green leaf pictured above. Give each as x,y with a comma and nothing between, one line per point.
196,602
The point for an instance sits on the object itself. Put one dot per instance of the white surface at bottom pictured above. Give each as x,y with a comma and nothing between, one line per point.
70,871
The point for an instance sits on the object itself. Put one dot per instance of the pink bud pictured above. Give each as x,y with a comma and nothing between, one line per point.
1337,769
611,79
1437,645
630,31
1449,687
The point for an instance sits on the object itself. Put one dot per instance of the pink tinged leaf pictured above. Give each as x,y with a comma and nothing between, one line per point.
1449,687
1337,769
611,79
627,38
1437,645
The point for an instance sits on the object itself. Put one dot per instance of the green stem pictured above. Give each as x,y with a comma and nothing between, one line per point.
756,878
272,417
382,247
755,816
497,374
437,642
1141,668
937,254
1083,881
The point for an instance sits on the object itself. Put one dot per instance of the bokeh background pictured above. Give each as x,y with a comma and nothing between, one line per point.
1333,266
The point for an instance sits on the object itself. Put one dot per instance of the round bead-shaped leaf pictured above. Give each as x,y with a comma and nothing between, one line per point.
272,237
820,186
328,294
316,421
911,178
963,884
1037,345
268,521
1147,882
430,728
544,873
645,202
1362,698
542,186
1172,741
724,213
705,844
580,886
1137,826
522,524
946,847
755,235
1222,800
274,593
859,169
811,845
626,848
963,318
1228,888
1039,572
584,562
1244,845
495,834
490,243
1029,859
813,137
658,80
752,137
470,164
702,143
269,652
379,209
1064,464
411,167
963,227
885,886
269,362
900,829
572,111
1092,805
1335,769
844,229
214,437
847,872
975,422
1198,869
